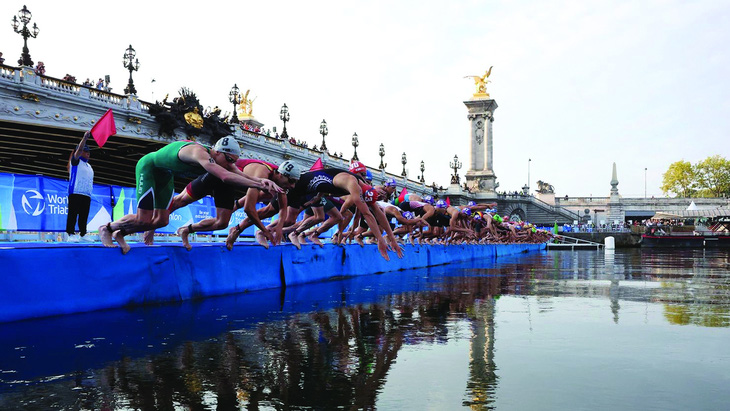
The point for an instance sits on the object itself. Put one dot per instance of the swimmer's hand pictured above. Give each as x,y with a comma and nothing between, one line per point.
383,248
270,186
397,249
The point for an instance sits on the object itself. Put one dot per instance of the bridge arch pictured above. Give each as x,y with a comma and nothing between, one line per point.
516,212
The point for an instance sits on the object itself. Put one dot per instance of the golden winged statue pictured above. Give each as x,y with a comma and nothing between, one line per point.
481,83
246,106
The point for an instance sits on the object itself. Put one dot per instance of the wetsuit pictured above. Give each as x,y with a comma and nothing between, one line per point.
222,193
416,207
155,175
313,182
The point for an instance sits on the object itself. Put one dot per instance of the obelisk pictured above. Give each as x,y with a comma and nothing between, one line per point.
616,212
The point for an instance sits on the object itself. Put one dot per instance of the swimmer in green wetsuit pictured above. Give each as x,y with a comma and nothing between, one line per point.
155,183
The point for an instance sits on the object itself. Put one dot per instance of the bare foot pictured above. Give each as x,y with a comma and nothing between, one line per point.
183,232
149,237
106,237
121,241
233,234
313,237
358,240
302,238
295,240
261,239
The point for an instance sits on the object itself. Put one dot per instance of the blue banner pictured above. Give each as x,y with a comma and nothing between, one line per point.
37,203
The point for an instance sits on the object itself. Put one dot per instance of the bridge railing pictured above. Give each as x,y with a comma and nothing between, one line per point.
30,79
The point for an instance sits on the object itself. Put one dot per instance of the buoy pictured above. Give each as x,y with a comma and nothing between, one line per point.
610,243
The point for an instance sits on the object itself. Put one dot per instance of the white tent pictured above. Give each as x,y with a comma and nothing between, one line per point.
693,206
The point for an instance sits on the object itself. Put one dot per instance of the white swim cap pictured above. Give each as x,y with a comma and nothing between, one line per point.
228,145
290,169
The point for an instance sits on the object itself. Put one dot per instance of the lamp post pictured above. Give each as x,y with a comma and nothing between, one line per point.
403,160
234,96
284,116
644,183
132,64
381,152
355,143
25,16
323,131
529,160
423,168
455,165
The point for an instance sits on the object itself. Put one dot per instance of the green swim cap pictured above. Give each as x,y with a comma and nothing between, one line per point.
497,218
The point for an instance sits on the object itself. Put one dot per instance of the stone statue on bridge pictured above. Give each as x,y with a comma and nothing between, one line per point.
545,188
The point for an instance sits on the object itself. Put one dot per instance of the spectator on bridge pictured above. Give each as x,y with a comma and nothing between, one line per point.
88,82
100,84
40,68
2,60
80,186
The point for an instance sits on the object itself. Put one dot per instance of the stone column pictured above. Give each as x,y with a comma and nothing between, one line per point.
480,177
614,207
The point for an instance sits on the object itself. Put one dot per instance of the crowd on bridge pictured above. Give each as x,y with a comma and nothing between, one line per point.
324,197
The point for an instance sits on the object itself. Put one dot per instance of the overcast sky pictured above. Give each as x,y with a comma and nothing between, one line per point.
579,84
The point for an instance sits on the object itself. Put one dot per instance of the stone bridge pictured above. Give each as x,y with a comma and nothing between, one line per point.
43,118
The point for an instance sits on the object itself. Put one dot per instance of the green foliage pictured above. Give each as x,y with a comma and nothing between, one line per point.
708,178
680,179
713,175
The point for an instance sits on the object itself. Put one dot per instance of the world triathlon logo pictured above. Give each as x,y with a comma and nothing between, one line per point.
33,203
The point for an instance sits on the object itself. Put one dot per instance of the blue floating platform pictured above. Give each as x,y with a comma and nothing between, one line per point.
45,279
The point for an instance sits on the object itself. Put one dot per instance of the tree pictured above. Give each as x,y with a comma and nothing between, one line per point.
713,175
680,179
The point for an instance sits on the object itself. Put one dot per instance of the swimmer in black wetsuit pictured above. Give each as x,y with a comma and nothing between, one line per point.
355,192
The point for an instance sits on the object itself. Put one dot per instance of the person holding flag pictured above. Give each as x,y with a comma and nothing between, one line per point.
80,186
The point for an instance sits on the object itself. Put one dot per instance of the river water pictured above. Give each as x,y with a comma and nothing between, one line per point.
559,330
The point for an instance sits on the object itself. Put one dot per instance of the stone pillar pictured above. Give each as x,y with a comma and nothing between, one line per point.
614,207
480,177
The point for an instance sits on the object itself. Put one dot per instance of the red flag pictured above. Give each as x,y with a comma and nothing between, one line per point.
104,128
448,202
402,196
317,165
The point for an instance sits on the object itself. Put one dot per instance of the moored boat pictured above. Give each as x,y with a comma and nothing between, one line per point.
685,241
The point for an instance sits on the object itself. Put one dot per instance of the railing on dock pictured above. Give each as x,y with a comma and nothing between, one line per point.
564,243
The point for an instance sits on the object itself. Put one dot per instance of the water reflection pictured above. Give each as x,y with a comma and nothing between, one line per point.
335,344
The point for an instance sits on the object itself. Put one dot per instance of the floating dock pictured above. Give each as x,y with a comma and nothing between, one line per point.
46,279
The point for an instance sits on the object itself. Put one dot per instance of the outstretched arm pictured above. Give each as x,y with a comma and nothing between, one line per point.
80,147
230,174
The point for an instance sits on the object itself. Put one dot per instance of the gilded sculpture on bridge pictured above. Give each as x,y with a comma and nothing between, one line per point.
246,106
481,84
186,114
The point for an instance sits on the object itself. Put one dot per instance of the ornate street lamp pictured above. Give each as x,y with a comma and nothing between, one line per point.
403,160
284,116
456,165
381,152
355,143
423,168
234,96
132,64
25,16
323,131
